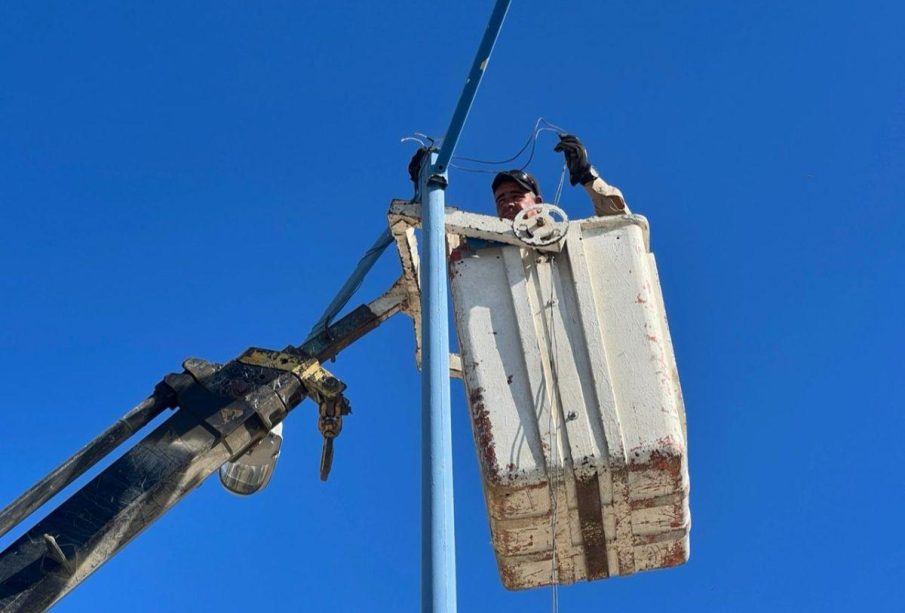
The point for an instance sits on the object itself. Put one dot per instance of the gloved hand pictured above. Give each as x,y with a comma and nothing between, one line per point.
580,169
415,165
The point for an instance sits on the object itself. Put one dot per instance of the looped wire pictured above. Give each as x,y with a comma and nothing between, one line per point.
541,125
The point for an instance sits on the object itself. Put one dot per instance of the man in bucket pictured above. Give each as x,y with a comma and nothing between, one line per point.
516,190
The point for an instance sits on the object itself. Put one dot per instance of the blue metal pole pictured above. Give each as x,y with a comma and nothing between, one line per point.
438,536
478,66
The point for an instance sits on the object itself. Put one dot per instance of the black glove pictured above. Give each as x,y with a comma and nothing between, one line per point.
580,169
415,165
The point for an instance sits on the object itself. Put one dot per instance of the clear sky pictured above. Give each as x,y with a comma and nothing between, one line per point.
190,179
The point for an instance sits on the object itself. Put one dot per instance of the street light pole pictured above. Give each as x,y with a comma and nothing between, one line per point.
438,550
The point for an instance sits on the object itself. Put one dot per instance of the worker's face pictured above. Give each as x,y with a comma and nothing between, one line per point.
510,198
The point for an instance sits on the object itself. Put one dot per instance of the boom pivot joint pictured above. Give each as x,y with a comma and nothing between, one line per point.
322,387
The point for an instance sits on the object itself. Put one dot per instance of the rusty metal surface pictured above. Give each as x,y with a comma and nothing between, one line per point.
575,403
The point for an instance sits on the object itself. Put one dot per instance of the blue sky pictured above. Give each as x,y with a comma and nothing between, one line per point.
192,179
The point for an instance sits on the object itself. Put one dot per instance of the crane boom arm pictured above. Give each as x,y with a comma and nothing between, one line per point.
223,411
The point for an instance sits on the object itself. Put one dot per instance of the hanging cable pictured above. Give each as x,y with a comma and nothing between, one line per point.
531,138
548,127
533,144
554,476
553,126
541,125
422,139
562,179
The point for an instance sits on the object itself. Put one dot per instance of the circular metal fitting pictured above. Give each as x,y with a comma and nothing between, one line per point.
537,226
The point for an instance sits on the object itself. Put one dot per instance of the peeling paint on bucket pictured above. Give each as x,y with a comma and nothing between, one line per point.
576,408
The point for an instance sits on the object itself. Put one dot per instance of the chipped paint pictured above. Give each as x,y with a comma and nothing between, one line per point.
483,431
576,406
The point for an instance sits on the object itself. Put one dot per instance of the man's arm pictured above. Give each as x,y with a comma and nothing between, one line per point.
606,198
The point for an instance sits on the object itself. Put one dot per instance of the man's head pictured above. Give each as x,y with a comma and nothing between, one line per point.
514,191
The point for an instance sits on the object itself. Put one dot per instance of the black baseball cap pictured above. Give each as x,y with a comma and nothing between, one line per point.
520,177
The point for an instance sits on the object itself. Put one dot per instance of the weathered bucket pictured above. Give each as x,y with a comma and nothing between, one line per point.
575,403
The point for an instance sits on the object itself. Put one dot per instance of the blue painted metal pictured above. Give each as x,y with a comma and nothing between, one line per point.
352,283
438,536
482,58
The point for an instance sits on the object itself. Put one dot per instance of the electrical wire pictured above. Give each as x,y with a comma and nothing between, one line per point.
562,179
541,125
553,438
422,139
531,138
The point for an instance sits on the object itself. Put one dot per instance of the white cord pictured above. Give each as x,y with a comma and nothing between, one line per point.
562,179
553,438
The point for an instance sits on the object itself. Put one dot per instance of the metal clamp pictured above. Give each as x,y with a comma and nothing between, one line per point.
325,389
536,227
330,424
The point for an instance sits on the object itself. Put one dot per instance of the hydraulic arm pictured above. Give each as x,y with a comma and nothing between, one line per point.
222,411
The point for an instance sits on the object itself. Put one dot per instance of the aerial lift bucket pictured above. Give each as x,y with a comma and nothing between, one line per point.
574,396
